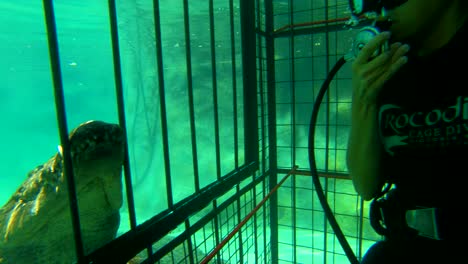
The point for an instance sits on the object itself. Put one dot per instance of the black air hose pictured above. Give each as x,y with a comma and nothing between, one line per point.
313,167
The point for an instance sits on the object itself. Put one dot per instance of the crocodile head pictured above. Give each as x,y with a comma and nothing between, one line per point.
35,224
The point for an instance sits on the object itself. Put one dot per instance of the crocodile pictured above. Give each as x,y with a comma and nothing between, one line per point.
36,225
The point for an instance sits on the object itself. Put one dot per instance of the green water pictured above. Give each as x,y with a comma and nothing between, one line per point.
29,125
28,112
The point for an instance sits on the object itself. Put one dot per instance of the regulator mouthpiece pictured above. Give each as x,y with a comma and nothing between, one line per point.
365,34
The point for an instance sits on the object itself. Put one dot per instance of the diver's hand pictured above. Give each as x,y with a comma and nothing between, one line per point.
364,157
370,75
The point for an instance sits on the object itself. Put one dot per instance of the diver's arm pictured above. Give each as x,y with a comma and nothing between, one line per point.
364,151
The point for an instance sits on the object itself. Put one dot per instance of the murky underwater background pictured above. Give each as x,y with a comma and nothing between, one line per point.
29,132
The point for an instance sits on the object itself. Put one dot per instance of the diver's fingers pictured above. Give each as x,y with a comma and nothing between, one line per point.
390,56
394,46
376,63
401,51
375,75
366,53
391,71
367,90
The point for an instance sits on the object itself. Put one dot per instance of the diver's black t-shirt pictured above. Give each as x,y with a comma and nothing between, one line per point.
423,120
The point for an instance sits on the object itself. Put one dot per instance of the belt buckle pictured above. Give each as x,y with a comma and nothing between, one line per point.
424,221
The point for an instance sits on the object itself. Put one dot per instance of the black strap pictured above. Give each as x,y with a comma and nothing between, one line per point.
388,217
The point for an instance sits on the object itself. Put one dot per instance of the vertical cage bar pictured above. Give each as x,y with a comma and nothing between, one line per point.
234,82
162,99
265,218
217,227
312,187
262,129
215,89
121,109
265,243
261,90
332,118
292,65
263,148
189,241
271,95
294,217
190,96
255,220
262,122
293,83
247,10
121,113
62,123
239,220
327,119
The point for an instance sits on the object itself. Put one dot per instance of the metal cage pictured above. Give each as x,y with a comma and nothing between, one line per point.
232,182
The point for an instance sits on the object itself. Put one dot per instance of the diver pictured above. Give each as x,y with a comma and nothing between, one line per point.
408,145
